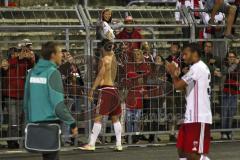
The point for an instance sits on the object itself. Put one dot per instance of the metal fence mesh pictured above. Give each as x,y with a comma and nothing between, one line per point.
162,107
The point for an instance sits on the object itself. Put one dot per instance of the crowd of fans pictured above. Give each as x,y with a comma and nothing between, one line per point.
139,64
142,76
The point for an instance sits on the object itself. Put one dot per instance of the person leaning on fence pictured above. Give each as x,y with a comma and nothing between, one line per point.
215,6
104,30
46,101
15,69
231,91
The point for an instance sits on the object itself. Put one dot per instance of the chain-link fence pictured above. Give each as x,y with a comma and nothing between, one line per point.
150,105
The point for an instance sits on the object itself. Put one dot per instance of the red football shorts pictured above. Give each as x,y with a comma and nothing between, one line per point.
194,138
108,101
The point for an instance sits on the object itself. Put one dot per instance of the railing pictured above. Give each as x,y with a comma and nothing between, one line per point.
166,100
74,29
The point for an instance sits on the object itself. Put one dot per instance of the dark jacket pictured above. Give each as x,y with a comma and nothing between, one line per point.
72,80
15,77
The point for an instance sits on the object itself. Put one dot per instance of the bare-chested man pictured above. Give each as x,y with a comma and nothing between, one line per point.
108,100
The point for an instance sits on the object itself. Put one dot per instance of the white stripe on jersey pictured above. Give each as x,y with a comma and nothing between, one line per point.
201,138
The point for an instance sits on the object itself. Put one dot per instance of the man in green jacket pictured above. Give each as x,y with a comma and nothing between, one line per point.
44,95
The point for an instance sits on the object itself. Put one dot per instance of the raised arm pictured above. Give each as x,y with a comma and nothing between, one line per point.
174,71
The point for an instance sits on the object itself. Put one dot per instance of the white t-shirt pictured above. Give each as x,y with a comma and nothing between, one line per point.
198,92
107,28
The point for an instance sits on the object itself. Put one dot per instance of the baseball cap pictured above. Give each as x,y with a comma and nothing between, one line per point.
24,43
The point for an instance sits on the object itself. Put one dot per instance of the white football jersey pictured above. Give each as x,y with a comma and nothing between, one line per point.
198,92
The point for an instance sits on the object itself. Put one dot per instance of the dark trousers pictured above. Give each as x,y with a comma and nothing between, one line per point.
51,156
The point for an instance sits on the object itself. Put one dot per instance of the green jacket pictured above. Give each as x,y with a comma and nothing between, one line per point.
44,95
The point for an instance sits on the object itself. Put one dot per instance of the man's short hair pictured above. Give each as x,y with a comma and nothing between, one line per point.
194,47
48,49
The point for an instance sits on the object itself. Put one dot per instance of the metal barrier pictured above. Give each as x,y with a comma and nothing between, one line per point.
162,113
163,107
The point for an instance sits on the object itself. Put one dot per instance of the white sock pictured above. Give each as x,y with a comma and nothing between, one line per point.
118,132
203,157
182,158
95,132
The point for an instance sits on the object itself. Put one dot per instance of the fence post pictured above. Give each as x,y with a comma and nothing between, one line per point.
191,23
192,32
1,111
89,52
67,39
89,80
85,3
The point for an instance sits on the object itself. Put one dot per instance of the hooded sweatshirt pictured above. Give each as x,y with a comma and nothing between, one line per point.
44,95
